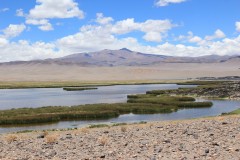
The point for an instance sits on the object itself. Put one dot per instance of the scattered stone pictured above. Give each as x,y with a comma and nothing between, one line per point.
206,150
187,139
41,136
69,136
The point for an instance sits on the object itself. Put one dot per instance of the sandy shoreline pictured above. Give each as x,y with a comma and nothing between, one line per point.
204,138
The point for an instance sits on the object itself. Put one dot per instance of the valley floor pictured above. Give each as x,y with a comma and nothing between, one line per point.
205,138
164,71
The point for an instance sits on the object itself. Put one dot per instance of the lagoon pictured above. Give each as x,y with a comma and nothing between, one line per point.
18,98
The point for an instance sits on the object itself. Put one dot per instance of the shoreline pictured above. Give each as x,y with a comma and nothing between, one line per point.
201,138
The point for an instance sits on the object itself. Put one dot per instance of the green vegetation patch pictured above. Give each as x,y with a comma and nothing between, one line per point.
156,101
81,112
78,88
98,125
237,111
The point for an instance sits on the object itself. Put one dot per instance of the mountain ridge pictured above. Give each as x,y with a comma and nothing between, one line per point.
123,57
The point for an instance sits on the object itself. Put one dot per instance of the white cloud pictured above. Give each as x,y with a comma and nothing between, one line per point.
23,50
161,3
218,34
195,39
106,35
3,41
103,20
153,37
237,24
46,27
51,9
13,30
42,23
98,37
124,26
55,9
4,9
20,13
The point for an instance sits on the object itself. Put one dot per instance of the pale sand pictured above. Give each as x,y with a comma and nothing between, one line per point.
163,71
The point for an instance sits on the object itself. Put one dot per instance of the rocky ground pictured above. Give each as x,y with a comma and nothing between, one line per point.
207,138
229,90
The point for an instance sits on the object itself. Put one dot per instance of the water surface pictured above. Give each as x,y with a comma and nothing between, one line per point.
107,94
39,97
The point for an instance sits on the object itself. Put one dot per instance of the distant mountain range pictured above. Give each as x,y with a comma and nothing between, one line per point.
124,57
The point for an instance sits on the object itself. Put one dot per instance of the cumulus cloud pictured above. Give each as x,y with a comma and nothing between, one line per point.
105,33
51,9
161,3
56,9
218,34
20,13
103,20
13,30
237,24
153,37
98,37
3,41
42,24
24,50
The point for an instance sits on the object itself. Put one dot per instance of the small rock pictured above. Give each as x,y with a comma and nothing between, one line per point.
41,136
215,144
166,141
69,136
102,156
206,150
153,158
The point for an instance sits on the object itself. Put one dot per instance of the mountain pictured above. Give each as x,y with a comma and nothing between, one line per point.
123,57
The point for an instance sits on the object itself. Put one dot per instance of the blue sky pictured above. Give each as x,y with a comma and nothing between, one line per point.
42,29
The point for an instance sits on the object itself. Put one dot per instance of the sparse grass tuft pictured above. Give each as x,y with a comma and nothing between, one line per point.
119,124
123,128
51,138
84,130
98,125
11,138
103,140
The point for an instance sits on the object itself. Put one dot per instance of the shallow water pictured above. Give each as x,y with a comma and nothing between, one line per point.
219,106
39,97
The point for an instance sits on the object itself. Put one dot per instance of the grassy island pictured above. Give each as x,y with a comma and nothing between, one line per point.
137,104
78,88
156,101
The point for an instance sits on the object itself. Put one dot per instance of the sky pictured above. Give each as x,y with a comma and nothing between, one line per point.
40,29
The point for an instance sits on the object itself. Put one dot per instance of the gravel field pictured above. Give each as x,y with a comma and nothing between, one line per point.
206,138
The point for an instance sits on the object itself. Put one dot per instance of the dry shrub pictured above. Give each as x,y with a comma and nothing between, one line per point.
84,130
123,128
51,138
11,137
45,133
103,140
150,125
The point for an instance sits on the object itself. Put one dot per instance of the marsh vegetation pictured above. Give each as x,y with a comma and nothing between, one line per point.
136,104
